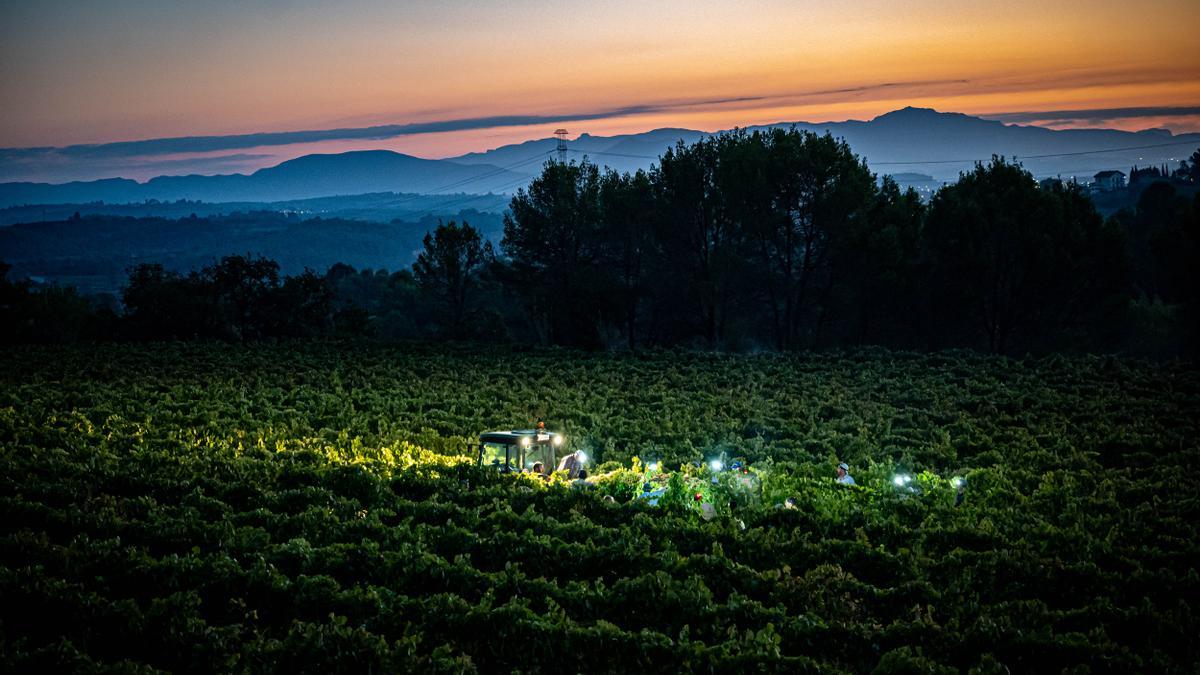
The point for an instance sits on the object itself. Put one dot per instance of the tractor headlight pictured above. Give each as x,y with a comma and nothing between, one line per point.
558,440
525,441
583,458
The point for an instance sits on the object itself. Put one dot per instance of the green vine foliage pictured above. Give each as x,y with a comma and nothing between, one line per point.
310,508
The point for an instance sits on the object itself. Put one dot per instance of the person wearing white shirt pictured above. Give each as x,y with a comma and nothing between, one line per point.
843,474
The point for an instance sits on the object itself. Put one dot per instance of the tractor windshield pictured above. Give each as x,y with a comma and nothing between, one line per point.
500,455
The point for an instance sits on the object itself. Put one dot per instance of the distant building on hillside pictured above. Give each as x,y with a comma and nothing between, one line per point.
1050,183
1107,181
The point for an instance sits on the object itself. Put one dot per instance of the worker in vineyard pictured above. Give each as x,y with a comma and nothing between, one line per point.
538,469
581,483
572,464
843,474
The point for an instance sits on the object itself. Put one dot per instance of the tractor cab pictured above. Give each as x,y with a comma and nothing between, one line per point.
518,450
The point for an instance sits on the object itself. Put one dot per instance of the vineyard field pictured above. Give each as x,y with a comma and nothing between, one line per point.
311,507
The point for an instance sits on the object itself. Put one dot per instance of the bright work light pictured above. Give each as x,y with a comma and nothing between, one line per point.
653,466
558,440
525,441
957,482
900,480
582,456
716,465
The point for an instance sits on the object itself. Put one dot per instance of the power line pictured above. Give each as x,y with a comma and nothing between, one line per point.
1093,152
466,181
498,170
613,154
467,198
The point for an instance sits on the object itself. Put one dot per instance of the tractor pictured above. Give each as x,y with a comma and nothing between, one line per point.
518,450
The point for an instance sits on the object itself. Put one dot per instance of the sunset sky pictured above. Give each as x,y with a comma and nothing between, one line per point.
99,72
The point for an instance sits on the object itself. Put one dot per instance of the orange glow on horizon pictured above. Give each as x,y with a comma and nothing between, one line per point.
124,71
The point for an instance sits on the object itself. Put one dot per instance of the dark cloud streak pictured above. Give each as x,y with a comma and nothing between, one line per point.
199,144
203,144
54,168
1093,115
876,87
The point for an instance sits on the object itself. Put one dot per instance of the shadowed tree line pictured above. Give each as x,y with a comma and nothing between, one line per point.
778,239
238,299
784,240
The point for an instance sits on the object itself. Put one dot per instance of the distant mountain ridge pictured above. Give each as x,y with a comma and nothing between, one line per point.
909,140
348,173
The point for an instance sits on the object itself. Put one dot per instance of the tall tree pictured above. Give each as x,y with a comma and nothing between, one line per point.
241,286
1016,265
553,237
819,190
698,243
627,214
878,267
448,271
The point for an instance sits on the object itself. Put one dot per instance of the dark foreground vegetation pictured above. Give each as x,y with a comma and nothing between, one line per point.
772,240
210,508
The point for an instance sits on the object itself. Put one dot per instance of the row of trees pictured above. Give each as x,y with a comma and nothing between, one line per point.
238,299
784,239
778,239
